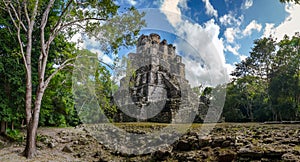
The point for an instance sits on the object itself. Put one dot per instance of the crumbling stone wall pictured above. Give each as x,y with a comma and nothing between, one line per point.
156,84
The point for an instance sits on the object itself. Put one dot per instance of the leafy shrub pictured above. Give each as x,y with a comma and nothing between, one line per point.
15,135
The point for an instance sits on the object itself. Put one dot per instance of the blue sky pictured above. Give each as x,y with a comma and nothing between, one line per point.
220,31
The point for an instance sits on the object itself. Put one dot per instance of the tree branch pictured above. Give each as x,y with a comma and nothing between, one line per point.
81,20
75,22
43,24
18,33
17,15
21,48
26,12
44,53
10,14
56,26
108,65
32,19
63,65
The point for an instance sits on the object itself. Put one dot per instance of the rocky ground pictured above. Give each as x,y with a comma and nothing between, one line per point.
226,142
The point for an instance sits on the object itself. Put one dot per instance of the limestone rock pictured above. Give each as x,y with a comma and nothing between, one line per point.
67,149
226,156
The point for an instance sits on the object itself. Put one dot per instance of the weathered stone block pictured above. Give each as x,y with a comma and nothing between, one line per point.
158,89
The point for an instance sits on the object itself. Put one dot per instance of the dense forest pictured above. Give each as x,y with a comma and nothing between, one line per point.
35,49
265,86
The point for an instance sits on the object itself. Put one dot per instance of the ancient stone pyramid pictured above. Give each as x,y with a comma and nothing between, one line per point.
155,88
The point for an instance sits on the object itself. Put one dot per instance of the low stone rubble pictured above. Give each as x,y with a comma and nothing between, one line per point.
225,143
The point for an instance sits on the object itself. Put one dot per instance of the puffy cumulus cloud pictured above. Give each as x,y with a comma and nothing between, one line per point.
230,68
203,49
194,74
253,25
230,34
172,11
205,41
233,50
269,30
289,26
171,8
230,19
247,4
210,9
204,52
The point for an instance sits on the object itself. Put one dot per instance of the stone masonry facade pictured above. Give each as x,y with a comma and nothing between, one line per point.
155,88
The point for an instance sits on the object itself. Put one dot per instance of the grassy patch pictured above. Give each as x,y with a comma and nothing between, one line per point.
297,148
15,135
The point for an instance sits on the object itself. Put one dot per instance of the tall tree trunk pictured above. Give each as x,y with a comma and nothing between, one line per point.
251,113
12,125
28,97
30,150
3,128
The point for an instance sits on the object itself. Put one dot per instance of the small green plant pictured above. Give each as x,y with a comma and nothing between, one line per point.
297,148
41,138
15,135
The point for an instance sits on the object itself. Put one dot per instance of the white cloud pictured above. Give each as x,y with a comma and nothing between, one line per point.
289,26
269,30
230,19
204,39
210,9
77,38
106,59
172,11
208,47
83,42
183,4
243,57
253,25
233,50
230,34
230,68
209,50
132,2
247,4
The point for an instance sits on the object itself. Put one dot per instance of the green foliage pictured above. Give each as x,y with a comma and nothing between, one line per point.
11,74
285,79
57,104
244,98
15,135
93,89
101,20
267,83
104,88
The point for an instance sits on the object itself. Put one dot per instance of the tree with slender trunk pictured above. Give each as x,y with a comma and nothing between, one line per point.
42,20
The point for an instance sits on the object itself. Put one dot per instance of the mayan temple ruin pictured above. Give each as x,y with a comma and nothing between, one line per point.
155,88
